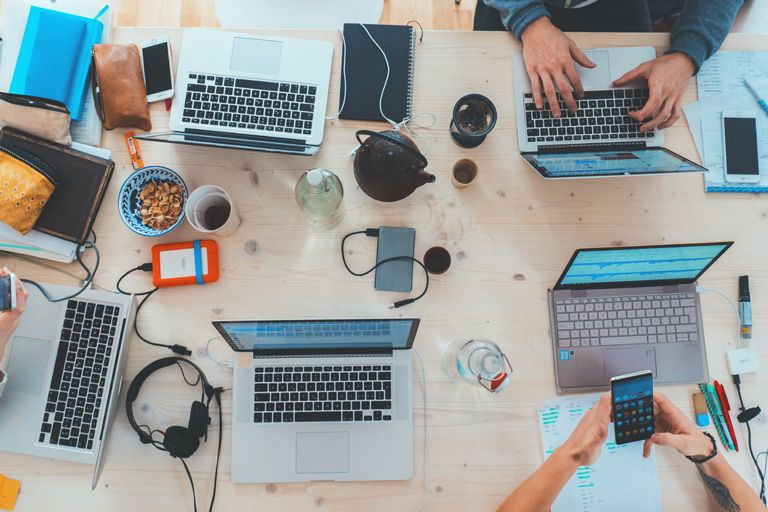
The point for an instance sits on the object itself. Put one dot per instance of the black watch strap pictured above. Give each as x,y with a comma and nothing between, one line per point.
705,458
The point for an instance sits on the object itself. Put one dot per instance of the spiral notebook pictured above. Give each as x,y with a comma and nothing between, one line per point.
365,71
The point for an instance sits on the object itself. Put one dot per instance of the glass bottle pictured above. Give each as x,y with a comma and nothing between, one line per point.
319,194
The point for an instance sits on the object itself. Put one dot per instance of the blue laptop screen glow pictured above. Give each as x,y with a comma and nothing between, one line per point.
643,264
606,163
319,334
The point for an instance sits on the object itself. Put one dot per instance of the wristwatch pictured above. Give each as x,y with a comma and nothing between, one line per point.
704,458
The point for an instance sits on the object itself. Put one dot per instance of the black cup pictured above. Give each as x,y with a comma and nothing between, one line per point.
437,260
474,116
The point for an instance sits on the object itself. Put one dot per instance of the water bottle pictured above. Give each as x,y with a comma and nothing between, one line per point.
479,362
319,194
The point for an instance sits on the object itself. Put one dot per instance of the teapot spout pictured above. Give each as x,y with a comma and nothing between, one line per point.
425,177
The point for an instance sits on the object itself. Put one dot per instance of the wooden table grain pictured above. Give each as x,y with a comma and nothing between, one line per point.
510,235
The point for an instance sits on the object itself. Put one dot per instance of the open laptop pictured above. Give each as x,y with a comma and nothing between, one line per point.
249,92
65,368
618,310
321,399
598,140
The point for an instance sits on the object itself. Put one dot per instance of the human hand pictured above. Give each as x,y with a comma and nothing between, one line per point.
549,56
675,429
9,320
667,77
587,439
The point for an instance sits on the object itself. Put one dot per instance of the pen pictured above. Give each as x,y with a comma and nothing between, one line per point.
760,101
725,405
745,305
718,418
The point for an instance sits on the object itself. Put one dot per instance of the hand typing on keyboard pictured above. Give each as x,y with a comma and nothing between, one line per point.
667,78
549,56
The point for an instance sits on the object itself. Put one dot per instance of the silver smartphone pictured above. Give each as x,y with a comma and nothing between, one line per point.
740,154
8,292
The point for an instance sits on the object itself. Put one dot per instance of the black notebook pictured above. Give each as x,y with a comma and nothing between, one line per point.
366,71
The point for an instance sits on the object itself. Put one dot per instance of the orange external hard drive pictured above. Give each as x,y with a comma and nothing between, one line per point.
185,263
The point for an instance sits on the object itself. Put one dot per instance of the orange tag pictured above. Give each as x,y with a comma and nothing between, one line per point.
9,491
133,150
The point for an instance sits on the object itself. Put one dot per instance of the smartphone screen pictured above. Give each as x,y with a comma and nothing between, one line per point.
741,145
6,301
157,68
632,398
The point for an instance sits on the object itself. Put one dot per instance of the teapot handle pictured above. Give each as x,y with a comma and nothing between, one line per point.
393,140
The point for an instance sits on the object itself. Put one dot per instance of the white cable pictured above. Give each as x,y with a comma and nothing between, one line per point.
225,364
386,78
733,307
424,461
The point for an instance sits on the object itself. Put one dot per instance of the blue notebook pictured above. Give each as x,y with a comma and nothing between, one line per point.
55,57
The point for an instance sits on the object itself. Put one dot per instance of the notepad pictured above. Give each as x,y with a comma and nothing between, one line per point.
621,479
365,71
55,57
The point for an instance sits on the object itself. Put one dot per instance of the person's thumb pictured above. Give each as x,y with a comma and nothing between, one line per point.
580,57
633,74
672,440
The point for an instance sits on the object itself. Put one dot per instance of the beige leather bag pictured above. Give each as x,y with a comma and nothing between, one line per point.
118,87
44,118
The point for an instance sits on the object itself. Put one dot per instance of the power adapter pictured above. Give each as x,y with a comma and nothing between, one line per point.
741,361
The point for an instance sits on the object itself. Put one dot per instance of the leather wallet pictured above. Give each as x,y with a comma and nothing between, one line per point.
83,181
118,87
41,117
26,185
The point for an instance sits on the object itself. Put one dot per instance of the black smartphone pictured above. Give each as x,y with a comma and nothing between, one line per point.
7,292
632,406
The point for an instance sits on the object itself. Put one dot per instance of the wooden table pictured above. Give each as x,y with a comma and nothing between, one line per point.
510,235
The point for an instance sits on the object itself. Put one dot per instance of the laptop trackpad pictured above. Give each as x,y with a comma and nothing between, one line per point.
256,56
598,77
619,361
27,365
322,452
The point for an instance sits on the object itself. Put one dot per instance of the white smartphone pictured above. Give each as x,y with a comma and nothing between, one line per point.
156,64
8,292
740,155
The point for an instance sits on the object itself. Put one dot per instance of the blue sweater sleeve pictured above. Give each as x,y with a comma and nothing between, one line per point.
516,15
702,27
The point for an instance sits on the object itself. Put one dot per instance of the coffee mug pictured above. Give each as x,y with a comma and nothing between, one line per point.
210,210
464,173
437,260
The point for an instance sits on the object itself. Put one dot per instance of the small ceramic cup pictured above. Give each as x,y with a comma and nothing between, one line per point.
210,210
464,173
437,260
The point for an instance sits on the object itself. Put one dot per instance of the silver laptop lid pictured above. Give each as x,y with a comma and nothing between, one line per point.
653,265
307,337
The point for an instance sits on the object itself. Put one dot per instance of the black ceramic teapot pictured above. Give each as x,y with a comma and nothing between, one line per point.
389,166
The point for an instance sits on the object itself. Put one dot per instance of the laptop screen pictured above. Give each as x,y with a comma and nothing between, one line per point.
575,164
319,336
653,265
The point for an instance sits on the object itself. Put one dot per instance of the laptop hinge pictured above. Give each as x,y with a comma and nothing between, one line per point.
243,136
592,146
378,353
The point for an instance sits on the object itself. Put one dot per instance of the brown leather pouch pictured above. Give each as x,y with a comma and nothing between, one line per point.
118,87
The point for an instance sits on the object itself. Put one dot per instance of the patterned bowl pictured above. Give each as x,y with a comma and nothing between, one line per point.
128,198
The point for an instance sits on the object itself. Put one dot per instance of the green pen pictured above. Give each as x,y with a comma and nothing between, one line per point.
718,416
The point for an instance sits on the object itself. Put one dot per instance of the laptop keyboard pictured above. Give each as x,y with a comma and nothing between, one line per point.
80,375
625,320
281,107
601,115
322,393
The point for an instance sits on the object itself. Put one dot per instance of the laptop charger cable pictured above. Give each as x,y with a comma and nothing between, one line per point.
374,233
147,267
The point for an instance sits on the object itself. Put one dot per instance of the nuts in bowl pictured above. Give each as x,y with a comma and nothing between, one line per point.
151,201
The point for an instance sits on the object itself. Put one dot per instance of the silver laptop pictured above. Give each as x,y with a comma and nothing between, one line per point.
321,399
623,309
599,139
65,369
249,92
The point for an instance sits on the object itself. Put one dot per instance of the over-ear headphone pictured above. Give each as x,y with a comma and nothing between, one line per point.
180,442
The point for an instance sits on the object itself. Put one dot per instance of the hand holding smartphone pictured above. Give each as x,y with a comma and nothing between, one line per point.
158,73
7,292
632,406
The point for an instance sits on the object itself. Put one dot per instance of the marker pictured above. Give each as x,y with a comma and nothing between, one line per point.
760,101
725,405
745,307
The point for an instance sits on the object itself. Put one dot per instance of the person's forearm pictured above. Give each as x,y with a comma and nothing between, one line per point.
539,491
701,28
516,15
727,488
